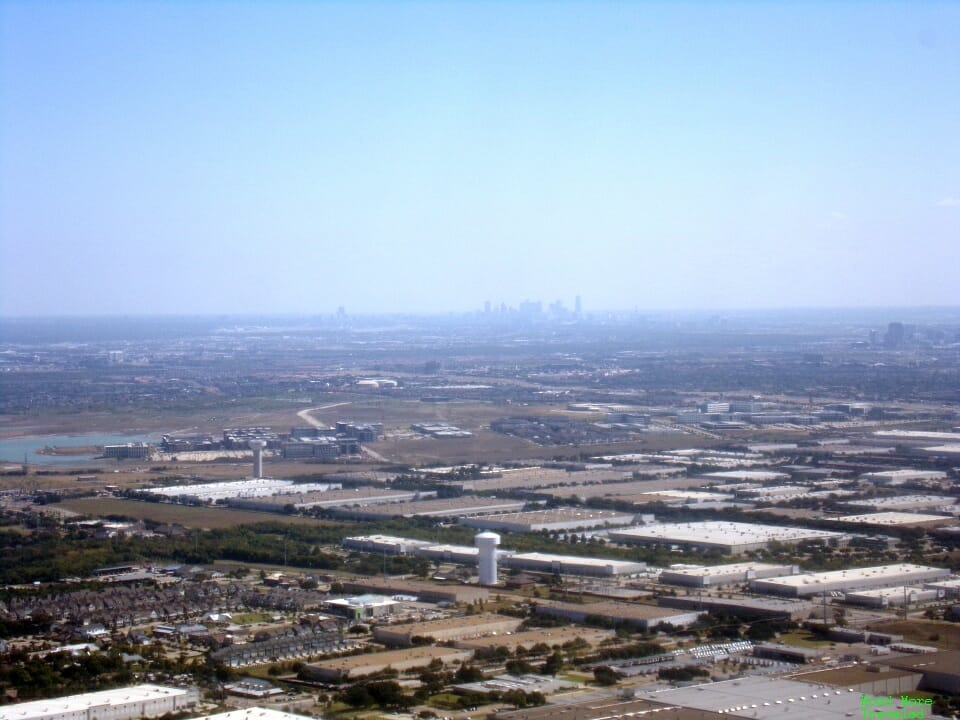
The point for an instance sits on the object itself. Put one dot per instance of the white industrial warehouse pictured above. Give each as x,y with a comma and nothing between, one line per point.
569,565
387,544
759,476
258,487
906,502
713,575
904,475
892,596
891,517
563,518
879,576
467,555
140,701
950,587
254,713
728,537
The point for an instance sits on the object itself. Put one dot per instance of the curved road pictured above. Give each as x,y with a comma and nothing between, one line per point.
308,418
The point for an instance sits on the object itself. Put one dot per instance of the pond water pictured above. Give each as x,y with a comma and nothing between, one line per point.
14,449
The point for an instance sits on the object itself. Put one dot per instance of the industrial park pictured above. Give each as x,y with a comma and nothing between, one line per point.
471,360
395,540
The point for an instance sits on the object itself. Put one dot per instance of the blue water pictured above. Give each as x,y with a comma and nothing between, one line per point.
13,450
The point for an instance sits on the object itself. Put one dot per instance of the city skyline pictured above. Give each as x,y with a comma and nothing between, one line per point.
209,158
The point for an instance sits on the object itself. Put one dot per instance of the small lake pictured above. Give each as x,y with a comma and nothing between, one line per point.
14,449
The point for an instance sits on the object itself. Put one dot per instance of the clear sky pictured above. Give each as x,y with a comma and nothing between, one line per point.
218,157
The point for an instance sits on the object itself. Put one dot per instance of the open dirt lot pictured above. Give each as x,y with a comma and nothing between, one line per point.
192,517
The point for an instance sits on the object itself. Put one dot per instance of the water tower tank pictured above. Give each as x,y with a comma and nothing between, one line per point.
257,446
487,543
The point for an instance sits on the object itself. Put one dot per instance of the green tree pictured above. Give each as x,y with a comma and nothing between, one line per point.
553,664
605,675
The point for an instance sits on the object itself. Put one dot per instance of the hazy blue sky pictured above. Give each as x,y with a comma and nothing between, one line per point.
177,157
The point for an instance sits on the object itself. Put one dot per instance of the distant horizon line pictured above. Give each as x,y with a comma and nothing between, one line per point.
473,312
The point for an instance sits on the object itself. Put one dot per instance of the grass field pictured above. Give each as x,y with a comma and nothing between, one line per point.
943,635
191,517
802,638
250,618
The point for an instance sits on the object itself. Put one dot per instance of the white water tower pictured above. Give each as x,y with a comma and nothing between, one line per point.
487,543
257,446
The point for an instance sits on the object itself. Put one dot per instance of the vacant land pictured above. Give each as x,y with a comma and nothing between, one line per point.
943,635
192,517
136,421
401,445
802,638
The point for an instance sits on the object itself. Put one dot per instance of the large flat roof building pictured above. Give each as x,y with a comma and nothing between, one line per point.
879,576
950,587
897,519
743,607
728,537
903,475
747,475
615,613
766,698
238,489
563,518
891,596
713,575
906,502
387,544
438,507
254,713
469,555
120,704
606,707
573,565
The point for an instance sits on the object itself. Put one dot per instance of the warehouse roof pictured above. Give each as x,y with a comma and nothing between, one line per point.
729,569
853,575
766,698
577,560
254,713
894,518
84,701
561,514
722,532
889,592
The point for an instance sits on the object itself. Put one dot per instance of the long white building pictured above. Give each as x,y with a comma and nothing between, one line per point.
140,701
880,576
728,537
713,575
573,565
562,518
466,555
232,489
254,713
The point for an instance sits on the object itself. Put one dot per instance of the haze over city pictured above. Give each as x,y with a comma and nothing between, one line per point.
426,157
